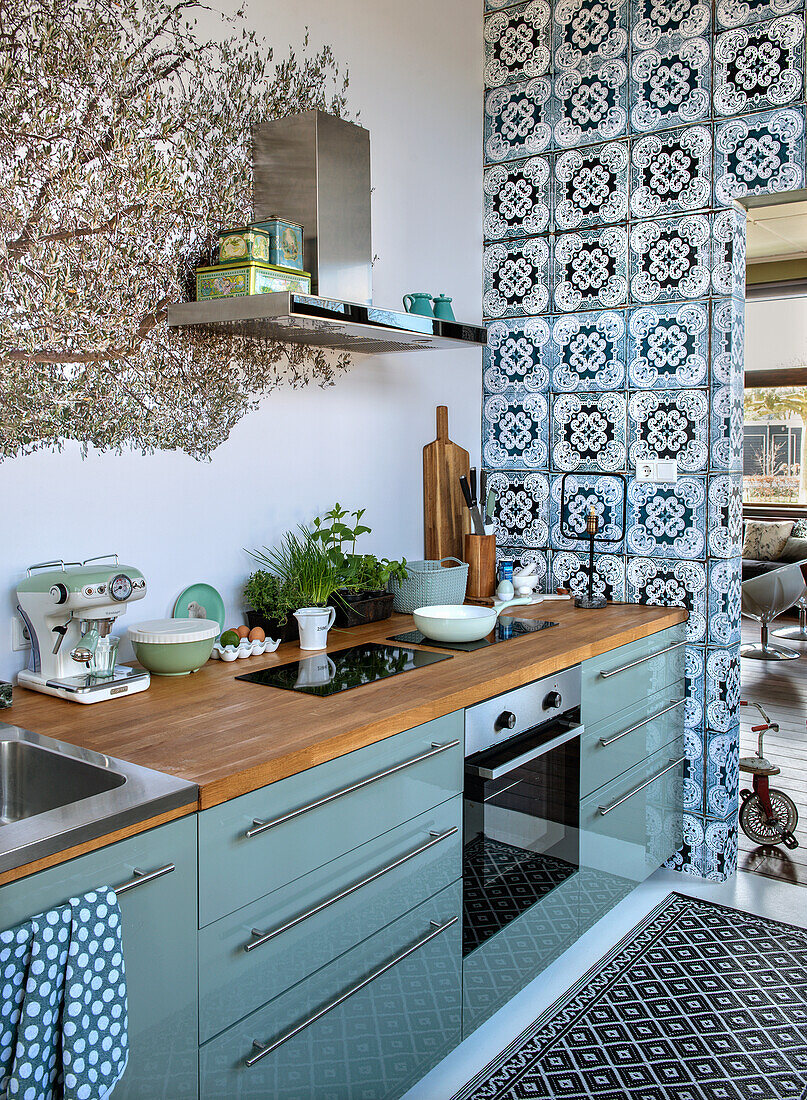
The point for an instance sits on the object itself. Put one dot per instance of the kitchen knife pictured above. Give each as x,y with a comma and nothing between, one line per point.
472,475
490,506
479,527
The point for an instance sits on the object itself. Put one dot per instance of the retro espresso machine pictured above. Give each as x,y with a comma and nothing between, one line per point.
70,609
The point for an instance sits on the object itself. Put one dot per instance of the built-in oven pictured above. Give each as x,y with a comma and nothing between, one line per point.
522,802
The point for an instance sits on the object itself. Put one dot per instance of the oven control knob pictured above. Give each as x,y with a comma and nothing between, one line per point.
506,720
553,701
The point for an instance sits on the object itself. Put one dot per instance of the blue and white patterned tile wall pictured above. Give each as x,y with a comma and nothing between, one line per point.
617,135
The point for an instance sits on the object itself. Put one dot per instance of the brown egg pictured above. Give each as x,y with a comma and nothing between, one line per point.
257,635
242,631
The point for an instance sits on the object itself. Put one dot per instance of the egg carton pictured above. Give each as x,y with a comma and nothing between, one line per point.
244,649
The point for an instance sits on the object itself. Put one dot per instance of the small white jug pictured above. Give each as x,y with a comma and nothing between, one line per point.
314,624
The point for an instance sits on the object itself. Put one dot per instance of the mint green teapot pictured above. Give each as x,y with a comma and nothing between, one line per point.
442,308
418,302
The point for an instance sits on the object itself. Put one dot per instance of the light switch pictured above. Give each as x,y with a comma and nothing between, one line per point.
666,469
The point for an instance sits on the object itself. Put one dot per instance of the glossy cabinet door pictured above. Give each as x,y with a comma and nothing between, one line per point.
325,913
629,827
322,813
365,1027
615,680
159,946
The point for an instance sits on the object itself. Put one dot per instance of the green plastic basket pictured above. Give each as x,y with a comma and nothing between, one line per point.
429,583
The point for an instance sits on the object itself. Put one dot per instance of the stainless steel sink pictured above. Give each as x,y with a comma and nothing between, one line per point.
54,795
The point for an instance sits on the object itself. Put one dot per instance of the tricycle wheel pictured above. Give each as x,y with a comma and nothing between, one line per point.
758,827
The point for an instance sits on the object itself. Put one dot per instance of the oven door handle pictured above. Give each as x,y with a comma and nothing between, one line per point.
525,757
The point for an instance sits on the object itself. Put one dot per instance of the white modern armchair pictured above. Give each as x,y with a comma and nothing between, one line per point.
765,597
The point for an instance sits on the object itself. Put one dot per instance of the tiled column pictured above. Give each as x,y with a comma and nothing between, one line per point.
618,134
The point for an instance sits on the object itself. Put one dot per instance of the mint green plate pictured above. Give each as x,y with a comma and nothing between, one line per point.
200,601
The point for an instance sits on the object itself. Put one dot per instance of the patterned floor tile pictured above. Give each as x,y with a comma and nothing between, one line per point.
759,154
518,353
588,352
668,346
671,172
670,84
588,432
514,430
573,496
668,521
517,43
590,186
516,278
589,269
517,198
758,66
518,120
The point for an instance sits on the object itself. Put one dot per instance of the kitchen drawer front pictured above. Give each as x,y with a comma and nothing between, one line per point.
643,820
501,966
159,948
620,741
386,1031
617,679
235,869
234,982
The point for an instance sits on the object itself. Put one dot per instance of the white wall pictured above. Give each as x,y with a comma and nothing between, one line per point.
775,333
416,77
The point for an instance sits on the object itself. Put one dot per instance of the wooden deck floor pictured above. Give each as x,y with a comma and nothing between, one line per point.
781,688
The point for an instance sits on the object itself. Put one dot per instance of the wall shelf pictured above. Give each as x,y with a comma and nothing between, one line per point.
326,323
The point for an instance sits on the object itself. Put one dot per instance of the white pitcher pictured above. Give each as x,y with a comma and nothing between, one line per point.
314,624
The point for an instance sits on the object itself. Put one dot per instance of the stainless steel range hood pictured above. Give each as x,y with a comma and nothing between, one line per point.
325,323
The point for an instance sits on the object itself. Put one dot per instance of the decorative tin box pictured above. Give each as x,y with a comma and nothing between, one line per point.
248,242
285,240
238,280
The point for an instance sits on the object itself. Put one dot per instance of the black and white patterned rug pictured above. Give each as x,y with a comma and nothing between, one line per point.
698,1002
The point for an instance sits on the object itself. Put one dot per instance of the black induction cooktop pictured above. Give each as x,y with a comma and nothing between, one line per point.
329,673
505,629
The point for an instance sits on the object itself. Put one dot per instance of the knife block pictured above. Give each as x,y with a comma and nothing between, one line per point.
480,553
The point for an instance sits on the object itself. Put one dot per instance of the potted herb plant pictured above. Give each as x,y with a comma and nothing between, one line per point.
361,595
269,603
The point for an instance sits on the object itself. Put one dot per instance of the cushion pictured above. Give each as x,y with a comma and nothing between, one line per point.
799,529
765,541
795,550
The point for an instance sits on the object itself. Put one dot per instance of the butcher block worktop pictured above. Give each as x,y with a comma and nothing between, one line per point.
231,737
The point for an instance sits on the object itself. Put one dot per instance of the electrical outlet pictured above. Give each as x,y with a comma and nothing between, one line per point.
645,469
20,638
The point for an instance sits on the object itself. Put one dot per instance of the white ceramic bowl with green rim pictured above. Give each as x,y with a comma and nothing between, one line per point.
173,647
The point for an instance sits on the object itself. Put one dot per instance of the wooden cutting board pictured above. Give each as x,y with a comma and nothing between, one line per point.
444,511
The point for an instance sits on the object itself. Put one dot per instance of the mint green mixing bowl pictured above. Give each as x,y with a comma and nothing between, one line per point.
174,647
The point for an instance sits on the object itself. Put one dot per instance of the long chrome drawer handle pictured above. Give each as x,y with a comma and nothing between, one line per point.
140,878
261,826
264,937
672,764
641,660
606,741
262,1050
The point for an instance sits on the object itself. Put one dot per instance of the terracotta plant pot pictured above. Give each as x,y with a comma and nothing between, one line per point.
363,607
286,633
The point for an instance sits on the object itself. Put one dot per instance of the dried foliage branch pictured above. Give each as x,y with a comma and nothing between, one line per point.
124,148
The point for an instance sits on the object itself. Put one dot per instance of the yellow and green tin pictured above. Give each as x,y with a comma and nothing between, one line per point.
238,280
244,244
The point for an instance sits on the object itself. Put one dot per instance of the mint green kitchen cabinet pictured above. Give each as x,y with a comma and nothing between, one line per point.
159,944
254,844
624,676
365,1027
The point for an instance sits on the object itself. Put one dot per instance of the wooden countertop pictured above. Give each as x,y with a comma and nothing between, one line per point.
232,737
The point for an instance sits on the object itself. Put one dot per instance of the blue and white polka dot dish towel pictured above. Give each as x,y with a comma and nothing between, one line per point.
63,1012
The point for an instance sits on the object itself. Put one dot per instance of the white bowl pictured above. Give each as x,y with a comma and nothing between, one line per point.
455,622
